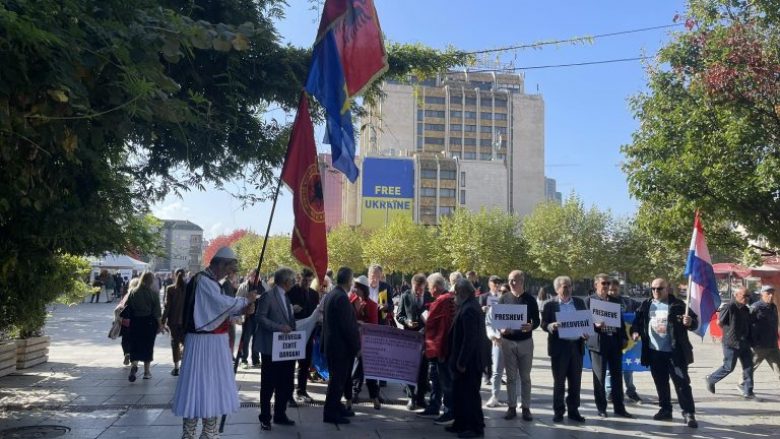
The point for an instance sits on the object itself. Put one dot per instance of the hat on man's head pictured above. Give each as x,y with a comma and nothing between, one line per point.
226,253
766,288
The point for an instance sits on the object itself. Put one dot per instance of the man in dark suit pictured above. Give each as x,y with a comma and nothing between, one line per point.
606,351
410,310
565,354
304,301
340,344
466,363
275,314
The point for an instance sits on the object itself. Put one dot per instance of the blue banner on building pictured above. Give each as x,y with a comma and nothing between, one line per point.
388,190
632,354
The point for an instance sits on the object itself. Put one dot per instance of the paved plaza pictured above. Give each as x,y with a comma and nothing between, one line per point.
84,387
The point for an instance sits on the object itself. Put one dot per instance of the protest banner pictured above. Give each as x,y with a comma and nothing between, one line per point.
391,354
290,346
606,312
575,323
508,316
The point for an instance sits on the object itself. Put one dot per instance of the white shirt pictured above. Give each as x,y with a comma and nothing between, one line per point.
373,293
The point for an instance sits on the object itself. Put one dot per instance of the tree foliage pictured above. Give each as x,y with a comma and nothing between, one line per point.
709,133
277,253
345,248
488,242
401,247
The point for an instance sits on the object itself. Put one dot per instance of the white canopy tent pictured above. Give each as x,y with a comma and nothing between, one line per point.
118,262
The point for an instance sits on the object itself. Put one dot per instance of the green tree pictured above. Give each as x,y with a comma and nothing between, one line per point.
108,106
345,248
488,242
710,123
401,247
277,253
568,239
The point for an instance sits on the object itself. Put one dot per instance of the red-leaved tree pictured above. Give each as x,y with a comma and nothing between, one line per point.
221,241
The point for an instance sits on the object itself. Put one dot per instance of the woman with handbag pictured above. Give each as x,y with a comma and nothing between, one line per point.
122,322
143,304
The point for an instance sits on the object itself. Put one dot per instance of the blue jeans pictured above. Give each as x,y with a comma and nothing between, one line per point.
498,369
441,380
628,378
730,357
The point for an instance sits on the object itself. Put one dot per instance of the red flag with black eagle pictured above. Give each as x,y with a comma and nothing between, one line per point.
301,173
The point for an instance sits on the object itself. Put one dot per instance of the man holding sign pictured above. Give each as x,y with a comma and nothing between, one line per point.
565,346
606,346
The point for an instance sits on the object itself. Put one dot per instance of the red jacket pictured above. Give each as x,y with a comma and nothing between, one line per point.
366,311
437,327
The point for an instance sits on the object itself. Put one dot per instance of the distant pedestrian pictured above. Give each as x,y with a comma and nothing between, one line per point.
172,317
735,321
763,331
122,313
144,310
250,289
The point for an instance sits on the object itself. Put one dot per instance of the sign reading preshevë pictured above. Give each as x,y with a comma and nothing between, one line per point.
391,354
508,316
388,190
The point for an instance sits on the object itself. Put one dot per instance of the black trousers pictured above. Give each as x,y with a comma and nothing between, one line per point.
417,393
276,379
467,402
357,382
663,367
567,366
248,340
612,359
340,370
303,368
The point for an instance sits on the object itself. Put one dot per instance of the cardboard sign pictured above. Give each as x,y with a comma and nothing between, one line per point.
508,316
606,312
391,354
574,324
290,346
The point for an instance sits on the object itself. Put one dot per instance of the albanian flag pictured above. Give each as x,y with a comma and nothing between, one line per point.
301,173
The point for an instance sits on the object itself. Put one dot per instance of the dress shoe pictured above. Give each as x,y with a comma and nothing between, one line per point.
471,433
511,413
632,396
624,414
558,418
602,414
710,385
576,417
429,412
527,416
265,425
690,420
340,420
348,413
303,398
133,371
662,415
445,419
284,421
377,404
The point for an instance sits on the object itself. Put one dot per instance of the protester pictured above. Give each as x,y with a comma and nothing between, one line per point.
250,290
304,300
663,322
437,326
206,387
465,364
495,361
340,344
565,353
412,305
143,304
366,311
472,277
606,352
172,317
541,297
627,305
454,277
381,293
763,330
517,347
735,321
275,314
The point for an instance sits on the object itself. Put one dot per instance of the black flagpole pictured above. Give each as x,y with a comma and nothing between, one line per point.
241,346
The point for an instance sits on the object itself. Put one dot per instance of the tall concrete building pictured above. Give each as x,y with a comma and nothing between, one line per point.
475,140
182,243
551,191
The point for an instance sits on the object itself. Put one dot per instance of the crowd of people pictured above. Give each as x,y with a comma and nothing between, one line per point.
461,345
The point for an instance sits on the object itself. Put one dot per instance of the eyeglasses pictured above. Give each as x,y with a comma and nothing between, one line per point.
658,288
606,284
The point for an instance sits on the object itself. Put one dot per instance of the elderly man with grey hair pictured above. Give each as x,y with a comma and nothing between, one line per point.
275,314
437,331
465,363
565,353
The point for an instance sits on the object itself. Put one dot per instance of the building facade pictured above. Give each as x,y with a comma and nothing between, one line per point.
182,244
551,191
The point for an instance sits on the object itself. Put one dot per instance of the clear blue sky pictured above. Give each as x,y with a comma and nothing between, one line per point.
587,114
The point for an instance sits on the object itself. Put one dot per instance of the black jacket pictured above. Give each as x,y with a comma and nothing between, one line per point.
466,337
340,335
306,298
533,314
608,340
409,310
763,325
682,350
735,321
555,345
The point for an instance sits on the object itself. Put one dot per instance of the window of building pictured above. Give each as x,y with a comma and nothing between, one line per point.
462,178
483,156
470,155
501,103
486,116
447,174
462,196
456,127
429,192
456,155
419,143
419,114
469,114
446,210
470,141
501,156
447,193
471,101
470,128
428,173
486,128
434,127
500,130
455,141
499,116
485,142
435,113
434,100
427,210
456,114
456,99
434,140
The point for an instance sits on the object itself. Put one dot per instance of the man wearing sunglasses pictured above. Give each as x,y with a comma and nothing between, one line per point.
663,322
